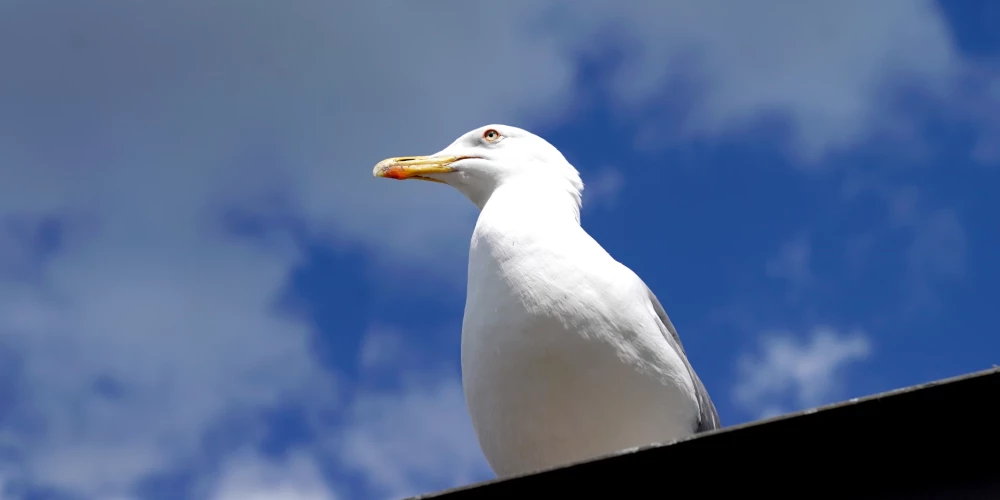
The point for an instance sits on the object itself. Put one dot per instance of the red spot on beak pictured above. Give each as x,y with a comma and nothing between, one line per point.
395,172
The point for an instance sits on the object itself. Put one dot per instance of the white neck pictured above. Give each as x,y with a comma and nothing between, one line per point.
534,199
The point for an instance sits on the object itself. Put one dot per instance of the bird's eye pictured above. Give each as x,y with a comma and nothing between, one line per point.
491,135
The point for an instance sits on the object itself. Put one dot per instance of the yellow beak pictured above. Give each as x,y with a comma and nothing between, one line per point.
414,167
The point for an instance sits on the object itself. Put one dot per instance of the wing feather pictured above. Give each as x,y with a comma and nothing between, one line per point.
708,417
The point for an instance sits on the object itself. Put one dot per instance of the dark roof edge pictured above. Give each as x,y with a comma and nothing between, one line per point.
852,401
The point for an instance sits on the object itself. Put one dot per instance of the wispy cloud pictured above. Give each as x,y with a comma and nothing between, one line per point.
936,255
413,440
978,105
751,66
786,373
380,346
254,477
127,357
5,488
934,249
792,263
601,188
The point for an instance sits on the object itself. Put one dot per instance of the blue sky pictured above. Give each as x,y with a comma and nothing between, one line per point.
205,295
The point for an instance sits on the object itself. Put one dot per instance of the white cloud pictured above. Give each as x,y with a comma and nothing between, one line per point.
825,66
251,477
413,440
136,127
791,374
127,355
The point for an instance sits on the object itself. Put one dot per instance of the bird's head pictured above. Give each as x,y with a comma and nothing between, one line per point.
482,160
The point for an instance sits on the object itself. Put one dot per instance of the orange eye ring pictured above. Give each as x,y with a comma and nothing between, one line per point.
492,135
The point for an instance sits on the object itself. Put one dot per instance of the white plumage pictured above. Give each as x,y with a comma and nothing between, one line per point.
566,354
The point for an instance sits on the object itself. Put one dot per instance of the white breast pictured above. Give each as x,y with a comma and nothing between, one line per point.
562,359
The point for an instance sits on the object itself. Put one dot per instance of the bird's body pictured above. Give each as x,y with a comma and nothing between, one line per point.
566,353
562,359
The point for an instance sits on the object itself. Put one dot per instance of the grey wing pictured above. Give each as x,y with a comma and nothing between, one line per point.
708,417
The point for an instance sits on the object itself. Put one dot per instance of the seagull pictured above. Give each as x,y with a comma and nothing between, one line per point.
567,355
